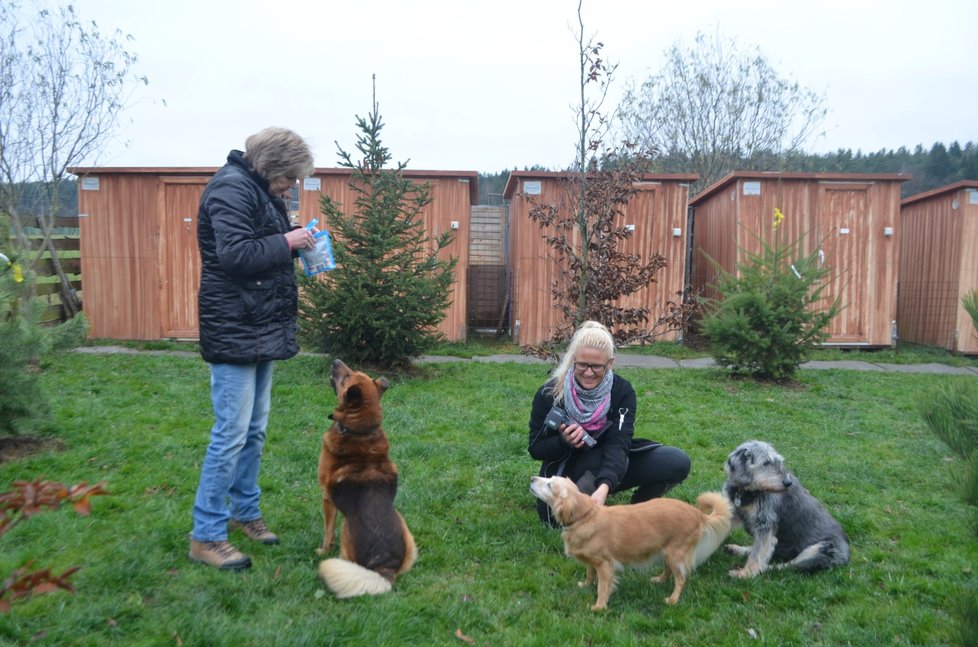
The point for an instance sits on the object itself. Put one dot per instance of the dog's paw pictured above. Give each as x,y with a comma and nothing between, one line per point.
581,584
599,607
735,549
742,573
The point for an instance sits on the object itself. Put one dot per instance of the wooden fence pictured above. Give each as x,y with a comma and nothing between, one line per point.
67,242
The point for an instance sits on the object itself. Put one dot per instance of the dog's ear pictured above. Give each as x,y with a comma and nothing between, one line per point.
564,505
557,486
382,385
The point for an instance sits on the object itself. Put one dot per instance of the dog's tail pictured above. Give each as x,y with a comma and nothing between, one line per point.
717,519
348,579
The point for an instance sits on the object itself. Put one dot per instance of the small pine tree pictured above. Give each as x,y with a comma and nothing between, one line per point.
390,289
23,340
767,320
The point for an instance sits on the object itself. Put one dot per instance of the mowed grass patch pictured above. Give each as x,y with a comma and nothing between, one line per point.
487,567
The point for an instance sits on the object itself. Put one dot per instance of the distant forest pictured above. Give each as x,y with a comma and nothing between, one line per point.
939,166
33,199
930,169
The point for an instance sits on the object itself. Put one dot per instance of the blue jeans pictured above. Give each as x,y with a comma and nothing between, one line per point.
241,394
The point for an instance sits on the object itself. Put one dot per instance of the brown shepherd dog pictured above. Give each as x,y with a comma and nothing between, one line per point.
359,479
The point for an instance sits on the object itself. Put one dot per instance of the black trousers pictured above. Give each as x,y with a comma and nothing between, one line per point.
652,472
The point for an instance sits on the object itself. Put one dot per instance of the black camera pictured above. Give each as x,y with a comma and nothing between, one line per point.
557,416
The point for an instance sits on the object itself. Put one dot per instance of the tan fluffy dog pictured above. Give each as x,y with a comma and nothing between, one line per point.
606,538
359,479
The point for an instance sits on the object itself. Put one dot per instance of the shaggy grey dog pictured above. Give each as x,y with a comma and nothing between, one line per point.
787,523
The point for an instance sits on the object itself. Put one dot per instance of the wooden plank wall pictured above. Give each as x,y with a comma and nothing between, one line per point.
120,256
968,278
714,240
938,266
487,238
534,319
138,249
843,216
656,210
451,199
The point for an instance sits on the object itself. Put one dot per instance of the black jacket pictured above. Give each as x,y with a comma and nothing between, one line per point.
613,444
248,300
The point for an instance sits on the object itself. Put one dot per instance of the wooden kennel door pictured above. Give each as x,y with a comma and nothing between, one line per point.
180,258
844,235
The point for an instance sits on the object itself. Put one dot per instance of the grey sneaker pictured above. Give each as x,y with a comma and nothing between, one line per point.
256,530
219,554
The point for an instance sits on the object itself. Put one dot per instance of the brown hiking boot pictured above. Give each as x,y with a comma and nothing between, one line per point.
219,554
255,529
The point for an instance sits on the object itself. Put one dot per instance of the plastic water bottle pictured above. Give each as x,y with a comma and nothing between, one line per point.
320,257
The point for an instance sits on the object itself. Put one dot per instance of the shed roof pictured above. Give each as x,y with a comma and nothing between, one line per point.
516,176
471,176
947,188
143,170
781,175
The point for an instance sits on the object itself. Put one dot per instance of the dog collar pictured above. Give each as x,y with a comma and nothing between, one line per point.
742,497
346,431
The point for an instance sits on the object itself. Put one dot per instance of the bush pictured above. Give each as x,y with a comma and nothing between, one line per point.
23,340
767,320
390,290
951,413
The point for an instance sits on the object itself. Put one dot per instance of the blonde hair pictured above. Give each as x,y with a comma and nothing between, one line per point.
278,151
591,334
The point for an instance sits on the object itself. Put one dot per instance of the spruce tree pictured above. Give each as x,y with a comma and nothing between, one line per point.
771,313
381,305
24,341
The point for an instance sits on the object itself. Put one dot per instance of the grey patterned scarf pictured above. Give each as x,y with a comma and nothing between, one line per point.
588,407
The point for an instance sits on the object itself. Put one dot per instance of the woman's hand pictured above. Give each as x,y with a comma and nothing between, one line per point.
300,238
573,435
599,495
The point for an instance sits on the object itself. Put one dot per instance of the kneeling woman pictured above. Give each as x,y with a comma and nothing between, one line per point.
582,423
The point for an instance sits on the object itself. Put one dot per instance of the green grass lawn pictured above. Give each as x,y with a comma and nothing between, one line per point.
486,566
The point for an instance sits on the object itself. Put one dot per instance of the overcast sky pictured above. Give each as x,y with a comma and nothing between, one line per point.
488,85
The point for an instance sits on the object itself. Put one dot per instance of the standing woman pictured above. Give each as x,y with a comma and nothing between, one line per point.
593,445
248,307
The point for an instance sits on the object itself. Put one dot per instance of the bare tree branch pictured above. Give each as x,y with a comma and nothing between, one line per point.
715,107
63,88
585,229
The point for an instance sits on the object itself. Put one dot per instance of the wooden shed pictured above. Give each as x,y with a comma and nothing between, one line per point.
139,255
938,266
658,213
852,217
452,195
